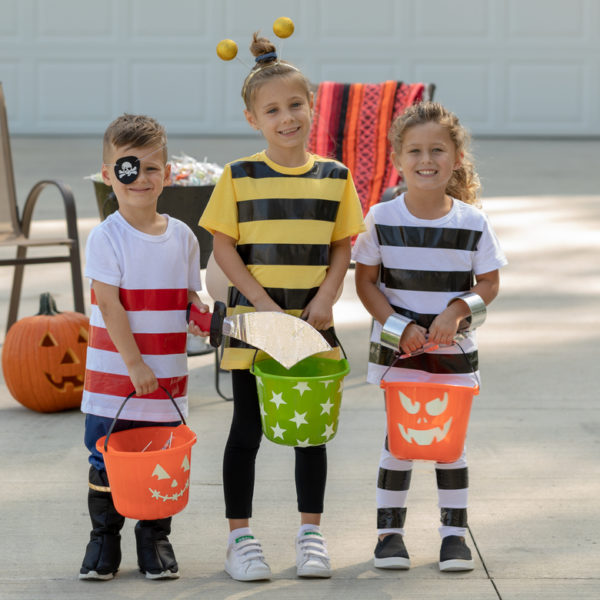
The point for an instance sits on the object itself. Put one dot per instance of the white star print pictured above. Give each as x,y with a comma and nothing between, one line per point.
326,382
299,419
277,399
326,407
302,386
277,431
328,431
303,443
263,412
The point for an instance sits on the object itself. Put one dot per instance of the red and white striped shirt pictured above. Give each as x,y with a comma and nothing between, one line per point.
154,274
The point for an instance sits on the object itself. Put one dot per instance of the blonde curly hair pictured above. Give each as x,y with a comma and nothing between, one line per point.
464,183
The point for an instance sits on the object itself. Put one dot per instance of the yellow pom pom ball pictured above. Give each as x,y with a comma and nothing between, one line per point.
227,49
283,27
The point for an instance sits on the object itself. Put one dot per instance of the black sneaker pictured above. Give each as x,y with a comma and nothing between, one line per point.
390,553
455,554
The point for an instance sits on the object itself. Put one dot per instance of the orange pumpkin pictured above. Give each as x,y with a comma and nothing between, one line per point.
43,358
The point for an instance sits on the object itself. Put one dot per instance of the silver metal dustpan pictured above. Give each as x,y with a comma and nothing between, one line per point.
286,338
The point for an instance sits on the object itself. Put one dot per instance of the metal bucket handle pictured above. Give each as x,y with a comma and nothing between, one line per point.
112,426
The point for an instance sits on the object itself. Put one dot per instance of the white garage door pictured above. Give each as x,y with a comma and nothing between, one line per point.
507,67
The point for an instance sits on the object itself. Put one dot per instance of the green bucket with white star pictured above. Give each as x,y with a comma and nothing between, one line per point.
300,406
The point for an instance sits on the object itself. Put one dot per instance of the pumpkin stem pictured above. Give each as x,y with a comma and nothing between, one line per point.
47,305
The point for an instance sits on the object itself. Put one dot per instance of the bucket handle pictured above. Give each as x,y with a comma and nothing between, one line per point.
398,356
331,331
112,425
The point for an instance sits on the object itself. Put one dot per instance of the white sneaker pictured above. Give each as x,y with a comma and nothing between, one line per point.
312,559
245,560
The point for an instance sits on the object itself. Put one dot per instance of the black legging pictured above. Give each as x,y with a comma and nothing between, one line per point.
240,455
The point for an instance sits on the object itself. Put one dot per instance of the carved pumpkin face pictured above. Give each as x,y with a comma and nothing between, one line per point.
43,358
66,361
171,487
425,423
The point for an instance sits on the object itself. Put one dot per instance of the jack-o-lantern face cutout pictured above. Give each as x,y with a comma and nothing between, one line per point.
171,489
43,358
424,425
71,370
426,420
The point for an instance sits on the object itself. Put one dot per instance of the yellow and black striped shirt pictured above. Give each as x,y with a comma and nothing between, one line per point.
284,220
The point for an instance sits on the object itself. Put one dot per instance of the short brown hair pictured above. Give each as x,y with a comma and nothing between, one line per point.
139,131
267,69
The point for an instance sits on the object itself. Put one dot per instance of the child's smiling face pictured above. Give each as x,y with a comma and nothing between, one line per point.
282,111
427,157
153,174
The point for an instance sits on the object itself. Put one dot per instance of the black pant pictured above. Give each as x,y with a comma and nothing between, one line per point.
240,456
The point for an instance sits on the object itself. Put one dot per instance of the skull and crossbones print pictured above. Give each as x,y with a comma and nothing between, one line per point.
127,169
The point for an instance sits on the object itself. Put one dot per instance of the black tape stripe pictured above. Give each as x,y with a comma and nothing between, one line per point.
397,481
428,237
391,518
261,170
452,479
453,517
427,281
268,209
288,299
442,364
315,255
422,319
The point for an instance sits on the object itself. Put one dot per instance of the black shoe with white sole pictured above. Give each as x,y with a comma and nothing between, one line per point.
391,553
455,554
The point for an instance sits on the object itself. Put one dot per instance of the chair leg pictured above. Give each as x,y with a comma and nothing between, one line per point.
15,295
77,279
217,372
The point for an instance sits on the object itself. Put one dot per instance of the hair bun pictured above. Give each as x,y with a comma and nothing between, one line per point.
261,45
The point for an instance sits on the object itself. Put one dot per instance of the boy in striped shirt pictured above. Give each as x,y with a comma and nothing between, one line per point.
144,269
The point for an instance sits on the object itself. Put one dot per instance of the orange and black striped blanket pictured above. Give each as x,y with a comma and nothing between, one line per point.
351,124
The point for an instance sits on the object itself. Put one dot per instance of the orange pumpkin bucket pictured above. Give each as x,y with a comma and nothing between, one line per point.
427,421
148,468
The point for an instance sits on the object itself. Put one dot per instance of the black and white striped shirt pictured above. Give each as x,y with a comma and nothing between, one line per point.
424,264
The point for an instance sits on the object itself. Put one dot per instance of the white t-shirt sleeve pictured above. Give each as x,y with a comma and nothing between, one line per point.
101,263
366,247
488,256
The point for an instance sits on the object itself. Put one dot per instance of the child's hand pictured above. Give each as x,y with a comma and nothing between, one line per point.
318,313
143,379
444,327
267,305
193,328
413,338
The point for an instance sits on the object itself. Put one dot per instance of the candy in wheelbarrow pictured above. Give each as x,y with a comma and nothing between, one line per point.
286,338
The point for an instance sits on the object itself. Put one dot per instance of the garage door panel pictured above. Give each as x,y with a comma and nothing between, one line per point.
524,67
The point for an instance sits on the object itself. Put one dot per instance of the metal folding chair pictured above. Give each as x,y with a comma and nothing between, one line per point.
14,229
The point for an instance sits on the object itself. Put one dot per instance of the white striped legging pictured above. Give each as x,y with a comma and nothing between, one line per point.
393,483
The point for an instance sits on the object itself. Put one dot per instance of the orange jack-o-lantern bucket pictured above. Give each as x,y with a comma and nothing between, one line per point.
148,468
427,421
